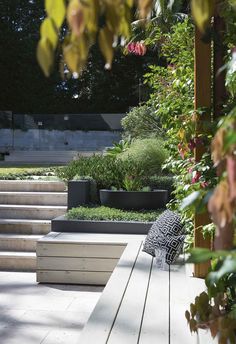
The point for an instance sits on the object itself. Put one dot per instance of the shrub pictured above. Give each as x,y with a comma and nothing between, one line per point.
159,182
110,214
140,122
148,153
118,148
105,170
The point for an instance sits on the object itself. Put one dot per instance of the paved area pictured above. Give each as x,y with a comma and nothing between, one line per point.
32,313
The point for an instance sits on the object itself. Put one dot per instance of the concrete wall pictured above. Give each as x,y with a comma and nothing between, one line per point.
40,139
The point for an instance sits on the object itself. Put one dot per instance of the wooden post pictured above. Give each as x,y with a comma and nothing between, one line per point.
203,96
219,89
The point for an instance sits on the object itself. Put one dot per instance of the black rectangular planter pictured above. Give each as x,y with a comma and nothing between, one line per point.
78,193
61,224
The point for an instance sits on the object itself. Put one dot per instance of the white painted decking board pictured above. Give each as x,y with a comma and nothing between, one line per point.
155,325
179,303
128,321
101,320
80,250
90,238
73,277
69,263
195,287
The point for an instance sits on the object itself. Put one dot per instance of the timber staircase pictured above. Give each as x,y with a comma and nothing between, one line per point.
26,210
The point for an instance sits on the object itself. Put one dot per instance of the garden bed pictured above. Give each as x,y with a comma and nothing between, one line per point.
105,220
62,224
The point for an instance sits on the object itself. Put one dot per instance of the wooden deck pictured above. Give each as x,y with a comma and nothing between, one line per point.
140,304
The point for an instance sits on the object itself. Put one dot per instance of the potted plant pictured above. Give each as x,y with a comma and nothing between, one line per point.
133,197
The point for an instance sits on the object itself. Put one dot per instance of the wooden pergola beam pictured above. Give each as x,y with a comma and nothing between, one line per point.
203,99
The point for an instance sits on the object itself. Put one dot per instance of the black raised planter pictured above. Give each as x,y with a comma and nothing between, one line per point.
78,193
134,200
62,224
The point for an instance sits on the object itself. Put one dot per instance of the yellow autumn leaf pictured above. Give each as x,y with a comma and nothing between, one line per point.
71,57
145,7
91,15
47,30
130,3
75,17
56,10
125,26
181,134
105,40
75,53
113,16
45,55
202,11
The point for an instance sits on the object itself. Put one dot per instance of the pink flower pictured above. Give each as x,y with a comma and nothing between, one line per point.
140,49
191,145
137,48
196,177
131,47
204,185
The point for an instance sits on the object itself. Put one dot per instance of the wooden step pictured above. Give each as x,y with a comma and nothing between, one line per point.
32,185
17,261
37,212
25,226
18,242
33,198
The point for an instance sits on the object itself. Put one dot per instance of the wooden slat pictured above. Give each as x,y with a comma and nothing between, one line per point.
73,277
102,238
80,250
101,320
127,324
69,263
179,303
155,326
195,287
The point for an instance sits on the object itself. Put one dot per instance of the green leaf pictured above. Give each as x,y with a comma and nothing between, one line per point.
189,200
229,140
228,266
202,11
45,55
47,30
56,10
199,255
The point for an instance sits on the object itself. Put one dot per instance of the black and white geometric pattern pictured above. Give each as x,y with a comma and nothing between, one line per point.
172,246
166,232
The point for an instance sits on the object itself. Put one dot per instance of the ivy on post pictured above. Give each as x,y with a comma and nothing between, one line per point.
202,71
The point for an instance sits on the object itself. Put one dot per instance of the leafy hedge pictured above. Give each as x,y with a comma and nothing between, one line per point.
111,214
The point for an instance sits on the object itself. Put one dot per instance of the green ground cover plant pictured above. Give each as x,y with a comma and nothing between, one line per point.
25,172
101,213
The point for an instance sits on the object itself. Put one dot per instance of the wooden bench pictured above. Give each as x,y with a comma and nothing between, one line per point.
140,304
80,258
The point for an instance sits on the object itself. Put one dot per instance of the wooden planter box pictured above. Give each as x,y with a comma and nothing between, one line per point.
61,224
134,200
